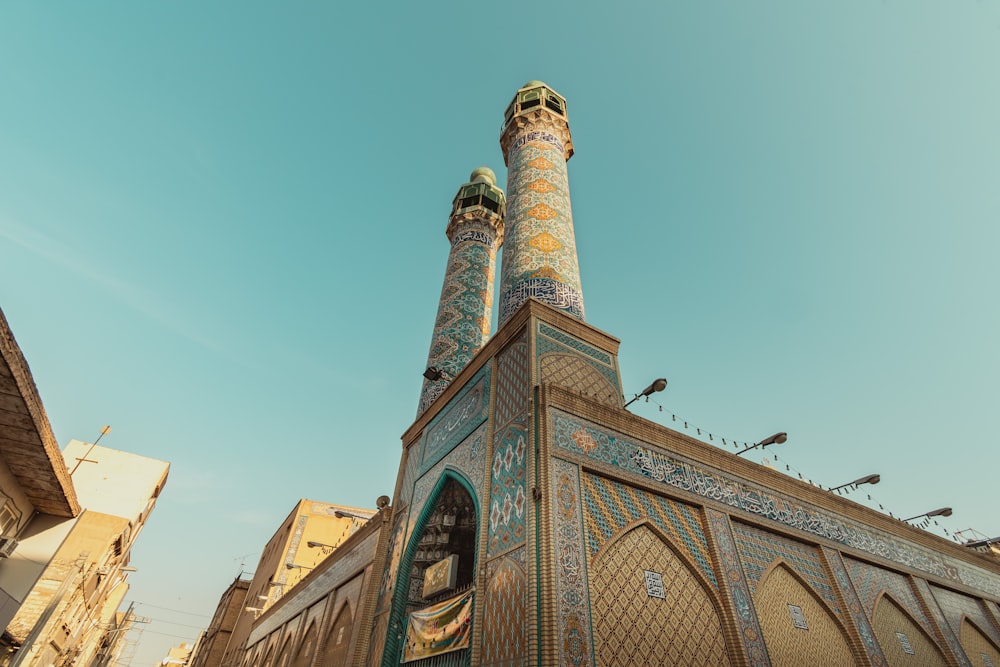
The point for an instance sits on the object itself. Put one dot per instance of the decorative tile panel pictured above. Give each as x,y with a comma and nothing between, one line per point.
955,606
869,581
539,258
609,506
508,497
396,542
949,636
746,616
759,548
854,609
467,458
638,459
572,598
505,640
512,381
572,343
464,413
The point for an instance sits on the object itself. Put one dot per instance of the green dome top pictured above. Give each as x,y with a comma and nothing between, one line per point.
533,83
483,174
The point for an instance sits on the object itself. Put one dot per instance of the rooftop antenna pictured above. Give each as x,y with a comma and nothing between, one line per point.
104,431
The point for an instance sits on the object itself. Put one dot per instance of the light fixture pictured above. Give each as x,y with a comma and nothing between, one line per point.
254,609
658,384
319,545
344,514
291,566
867,479
941,511
775,439
433,373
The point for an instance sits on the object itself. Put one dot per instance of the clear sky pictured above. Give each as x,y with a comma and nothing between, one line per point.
222,233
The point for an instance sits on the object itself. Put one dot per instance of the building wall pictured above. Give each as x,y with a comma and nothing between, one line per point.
212,648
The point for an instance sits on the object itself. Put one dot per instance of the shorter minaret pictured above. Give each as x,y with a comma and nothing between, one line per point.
465,311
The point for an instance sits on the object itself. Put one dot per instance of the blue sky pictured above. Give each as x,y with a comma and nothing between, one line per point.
222,230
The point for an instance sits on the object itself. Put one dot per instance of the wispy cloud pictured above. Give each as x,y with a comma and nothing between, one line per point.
64,257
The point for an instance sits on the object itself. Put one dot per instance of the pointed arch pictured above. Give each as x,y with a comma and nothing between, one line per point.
400,598
307,647
824,640
338,639
903,640
640,574
976,642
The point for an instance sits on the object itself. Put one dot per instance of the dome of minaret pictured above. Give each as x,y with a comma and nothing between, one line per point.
533,83
483,174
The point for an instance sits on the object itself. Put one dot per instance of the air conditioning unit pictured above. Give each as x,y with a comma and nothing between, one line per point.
7,546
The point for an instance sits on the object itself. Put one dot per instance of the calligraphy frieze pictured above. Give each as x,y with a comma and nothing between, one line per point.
463,415
584,438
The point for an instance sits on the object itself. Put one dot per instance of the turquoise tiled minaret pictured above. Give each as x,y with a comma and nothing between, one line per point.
539,258
465,311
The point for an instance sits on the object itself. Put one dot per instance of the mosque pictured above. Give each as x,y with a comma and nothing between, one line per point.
535,521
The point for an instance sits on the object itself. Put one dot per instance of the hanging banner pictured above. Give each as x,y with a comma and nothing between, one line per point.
440,628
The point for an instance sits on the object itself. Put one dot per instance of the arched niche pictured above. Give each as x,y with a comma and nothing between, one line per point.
307,647
978,647
904,643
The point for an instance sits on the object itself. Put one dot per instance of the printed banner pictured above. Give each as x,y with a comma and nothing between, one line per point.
440,628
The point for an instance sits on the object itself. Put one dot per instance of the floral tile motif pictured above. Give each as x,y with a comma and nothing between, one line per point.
461,417
739,592
573,641
505,639
955,606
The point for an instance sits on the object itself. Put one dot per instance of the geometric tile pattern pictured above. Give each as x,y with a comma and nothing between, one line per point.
377,640
822,642
637,458
539,258
409,475
746,616
508,499
758,549
683,628
955,606
392,565
871,581
924,589
567,340
512,381
505,638
465,309
573,639
609,506
854,608
977,646
467,458
579,374
890,619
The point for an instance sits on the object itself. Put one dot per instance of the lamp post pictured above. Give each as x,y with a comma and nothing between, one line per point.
941,511
867,479
775,439
658,384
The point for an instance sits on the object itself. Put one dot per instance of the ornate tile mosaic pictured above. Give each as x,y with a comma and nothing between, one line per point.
512,381
377,640
465,309
579,374
739,591
669,469
409,476
464,413
571,587
467,458
854,609
572,343
759,548
508,497
396,542
955,606
608,507
539,258
870,581
505,638
950,638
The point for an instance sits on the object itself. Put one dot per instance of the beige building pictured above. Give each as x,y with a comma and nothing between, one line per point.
311,532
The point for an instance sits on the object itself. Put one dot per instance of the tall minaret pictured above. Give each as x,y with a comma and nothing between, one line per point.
539,259
465,311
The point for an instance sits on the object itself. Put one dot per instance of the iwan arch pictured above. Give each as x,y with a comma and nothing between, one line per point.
537,522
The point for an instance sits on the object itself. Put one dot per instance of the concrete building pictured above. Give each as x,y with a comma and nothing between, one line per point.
69,521
311,532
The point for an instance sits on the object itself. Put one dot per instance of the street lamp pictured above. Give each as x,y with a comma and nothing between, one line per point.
292,566
867,479
775,439
658,384
320,545
941,511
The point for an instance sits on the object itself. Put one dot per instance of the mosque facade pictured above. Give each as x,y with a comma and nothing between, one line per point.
535,521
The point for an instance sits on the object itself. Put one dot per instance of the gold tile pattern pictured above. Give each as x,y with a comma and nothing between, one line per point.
633,628
977,646
890,618
824,642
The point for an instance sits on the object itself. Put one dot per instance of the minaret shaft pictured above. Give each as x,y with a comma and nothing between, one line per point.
539,258
465,310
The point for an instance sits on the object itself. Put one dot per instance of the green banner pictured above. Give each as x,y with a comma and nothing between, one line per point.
440,628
